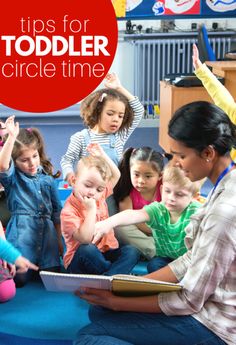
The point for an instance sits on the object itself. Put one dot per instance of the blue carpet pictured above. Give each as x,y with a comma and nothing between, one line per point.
39,314
9,339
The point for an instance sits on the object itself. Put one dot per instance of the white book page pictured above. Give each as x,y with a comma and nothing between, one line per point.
71,282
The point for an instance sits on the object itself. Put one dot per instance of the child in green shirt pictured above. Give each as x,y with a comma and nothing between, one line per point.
167,219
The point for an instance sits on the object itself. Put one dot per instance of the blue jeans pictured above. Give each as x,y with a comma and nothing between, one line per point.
123,328
157,262
89,259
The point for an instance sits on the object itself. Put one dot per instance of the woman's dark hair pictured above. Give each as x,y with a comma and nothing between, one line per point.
31,137
91,107
130,156
200,124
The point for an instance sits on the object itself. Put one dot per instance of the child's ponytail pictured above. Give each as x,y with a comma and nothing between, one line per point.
124,185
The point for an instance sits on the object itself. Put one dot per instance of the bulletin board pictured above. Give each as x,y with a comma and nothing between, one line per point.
174,9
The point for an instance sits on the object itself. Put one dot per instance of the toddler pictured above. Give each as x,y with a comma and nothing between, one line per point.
139,185
110,115
167,219
95,178
33,200
4,212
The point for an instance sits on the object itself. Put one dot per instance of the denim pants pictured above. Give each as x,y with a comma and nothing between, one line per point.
157,262
123,328
89,259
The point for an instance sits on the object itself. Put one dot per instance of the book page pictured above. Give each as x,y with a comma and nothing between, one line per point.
71,282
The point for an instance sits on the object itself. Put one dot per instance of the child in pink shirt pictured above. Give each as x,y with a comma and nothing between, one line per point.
95,178
139,185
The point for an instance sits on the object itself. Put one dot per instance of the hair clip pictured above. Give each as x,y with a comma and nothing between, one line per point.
29,130
103,95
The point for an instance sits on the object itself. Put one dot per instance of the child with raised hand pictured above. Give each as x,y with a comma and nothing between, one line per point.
167,219
33,200
110,114
96,175
4,212
139,185
218,92
9,258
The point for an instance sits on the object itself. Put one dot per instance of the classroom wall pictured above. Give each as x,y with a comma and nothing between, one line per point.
123,62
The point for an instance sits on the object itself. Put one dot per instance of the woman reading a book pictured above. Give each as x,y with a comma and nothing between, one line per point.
203,312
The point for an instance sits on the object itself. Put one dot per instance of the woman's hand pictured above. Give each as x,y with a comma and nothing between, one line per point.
106,299
99,297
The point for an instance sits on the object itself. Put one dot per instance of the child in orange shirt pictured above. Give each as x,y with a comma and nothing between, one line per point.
95,178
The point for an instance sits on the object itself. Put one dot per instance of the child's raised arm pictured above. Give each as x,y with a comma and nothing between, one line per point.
113,82
196,61
5,154
96,150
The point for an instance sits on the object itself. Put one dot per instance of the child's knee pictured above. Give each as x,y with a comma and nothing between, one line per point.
131,251
87,250
7,290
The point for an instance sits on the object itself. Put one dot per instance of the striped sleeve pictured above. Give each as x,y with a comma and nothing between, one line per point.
73,153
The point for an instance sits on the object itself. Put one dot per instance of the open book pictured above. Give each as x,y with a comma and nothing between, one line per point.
120,284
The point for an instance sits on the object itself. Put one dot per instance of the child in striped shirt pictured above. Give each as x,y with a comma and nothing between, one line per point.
110,114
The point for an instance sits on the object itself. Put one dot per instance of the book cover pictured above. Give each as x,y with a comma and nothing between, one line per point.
126,285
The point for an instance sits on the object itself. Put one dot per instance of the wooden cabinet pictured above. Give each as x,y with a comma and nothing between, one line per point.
172,98
227,70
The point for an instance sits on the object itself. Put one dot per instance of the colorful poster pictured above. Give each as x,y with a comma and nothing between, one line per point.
141,9
182,7
120,7
215,7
